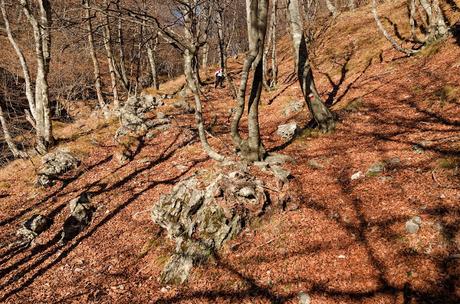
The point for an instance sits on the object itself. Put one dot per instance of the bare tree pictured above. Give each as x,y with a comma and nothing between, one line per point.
97,72
111,60
151,55
271,74
331,7
39,101
252,148
437,28
319,111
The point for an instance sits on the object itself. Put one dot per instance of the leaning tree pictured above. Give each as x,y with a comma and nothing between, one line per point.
318,109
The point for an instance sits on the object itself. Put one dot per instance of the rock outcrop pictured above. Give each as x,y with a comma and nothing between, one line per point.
33,227
81,213
134,125
54,165
201,216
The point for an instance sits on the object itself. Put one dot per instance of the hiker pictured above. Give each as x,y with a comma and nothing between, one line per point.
219,78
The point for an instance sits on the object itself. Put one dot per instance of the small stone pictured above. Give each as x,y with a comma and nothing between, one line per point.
394,161
164,289
413,225
341,256
278,159
144,160
287,131
247,192
375,169
357,175
293,107
304,298
417,220
161,115
280,173
315,164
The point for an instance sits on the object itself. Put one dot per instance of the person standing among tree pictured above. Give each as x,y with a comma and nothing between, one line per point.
219,78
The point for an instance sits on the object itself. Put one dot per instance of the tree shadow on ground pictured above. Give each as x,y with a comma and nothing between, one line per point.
52,249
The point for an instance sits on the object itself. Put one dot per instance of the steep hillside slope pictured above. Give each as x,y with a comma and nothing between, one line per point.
399,125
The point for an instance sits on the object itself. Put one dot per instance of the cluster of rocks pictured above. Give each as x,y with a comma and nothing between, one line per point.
134,125
81,212
201,216
54,165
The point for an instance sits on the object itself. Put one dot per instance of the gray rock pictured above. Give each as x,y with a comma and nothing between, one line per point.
375,169
81,213
161,115
34,226
278,159
183,105
201,219
394,161
281,173
262,165
413,225
293,107
315,164
287,131
247,192
54,165
304,298
357,175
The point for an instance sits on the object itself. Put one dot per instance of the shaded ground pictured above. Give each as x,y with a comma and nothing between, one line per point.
345,244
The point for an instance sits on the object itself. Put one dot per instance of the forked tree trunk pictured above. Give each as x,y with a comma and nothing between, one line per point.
190,57
97,72
252,148
42,37
319,111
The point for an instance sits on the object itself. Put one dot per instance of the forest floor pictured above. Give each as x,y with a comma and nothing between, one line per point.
346,243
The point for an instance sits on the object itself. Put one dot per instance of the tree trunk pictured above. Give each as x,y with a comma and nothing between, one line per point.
412,22
221,37
151,54
331,7
121,70
319,111
42,39
252,148
351,5
22,61
97,72
437,27
9,141
111,62
190,63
